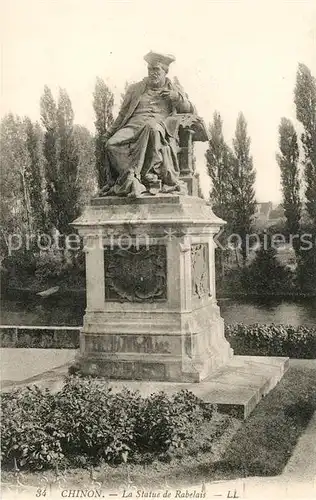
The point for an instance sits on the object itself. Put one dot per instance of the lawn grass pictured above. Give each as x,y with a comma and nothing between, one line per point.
265,442
259,446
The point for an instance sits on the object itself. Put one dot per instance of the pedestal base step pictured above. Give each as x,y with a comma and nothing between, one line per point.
236,388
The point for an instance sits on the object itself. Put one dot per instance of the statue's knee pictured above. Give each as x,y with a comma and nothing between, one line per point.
153,131
151,126
110,142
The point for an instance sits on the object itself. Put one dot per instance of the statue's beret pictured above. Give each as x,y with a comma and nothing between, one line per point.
156,57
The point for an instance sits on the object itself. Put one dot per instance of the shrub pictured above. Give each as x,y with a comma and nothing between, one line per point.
306,271
266,276
272,340
34,269
19,268
25,417
50,266
86,421
164,424
95,422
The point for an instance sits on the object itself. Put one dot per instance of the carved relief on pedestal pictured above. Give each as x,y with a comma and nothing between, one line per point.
127,343
200,270
136,274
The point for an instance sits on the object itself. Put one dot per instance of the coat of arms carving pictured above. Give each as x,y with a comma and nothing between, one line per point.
136,274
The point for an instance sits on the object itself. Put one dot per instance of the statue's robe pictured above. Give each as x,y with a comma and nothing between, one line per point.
142,145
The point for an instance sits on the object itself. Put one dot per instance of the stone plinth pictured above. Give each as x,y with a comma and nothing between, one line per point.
235,388
151,304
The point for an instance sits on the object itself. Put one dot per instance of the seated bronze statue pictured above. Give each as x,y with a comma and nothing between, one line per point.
142,144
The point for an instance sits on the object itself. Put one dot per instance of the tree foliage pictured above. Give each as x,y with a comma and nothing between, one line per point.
48,109
103,101
219,160
68,164
306,271
14,198
265,275
123,94
85,147
243,179
35,174
305,101
288,161
61,165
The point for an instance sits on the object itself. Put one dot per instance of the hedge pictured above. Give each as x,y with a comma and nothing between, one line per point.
272,340
256,339
41,337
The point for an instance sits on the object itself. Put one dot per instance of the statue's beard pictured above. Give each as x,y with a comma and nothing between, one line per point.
156,81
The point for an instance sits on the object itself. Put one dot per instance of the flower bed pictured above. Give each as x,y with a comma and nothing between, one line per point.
272,340
86,423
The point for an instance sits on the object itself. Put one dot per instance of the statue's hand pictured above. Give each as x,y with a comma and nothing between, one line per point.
172,95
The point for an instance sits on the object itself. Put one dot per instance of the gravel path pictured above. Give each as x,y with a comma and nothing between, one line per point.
19,364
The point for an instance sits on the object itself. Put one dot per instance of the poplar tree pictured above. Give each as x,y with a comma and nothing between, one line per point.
219,159
85,146
68,164
243,180
288,159
61,160
305,101
48,110
35,174
103,101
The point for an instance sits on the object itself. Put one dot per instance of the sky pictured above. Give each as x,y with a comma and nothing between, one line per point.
231,56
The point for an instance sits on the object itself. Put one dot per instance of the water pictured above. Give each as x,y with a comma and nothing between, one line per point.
68,309
269,310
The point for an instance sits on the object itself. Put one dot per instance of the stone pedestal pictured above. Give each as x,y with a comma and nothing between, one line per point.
151,303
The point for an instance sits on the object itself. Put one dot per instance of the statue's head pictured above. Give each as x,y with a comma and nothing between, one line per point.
158,66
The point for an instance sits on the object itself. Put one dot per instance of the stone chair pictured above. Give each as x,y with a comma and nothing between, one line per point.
189,128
